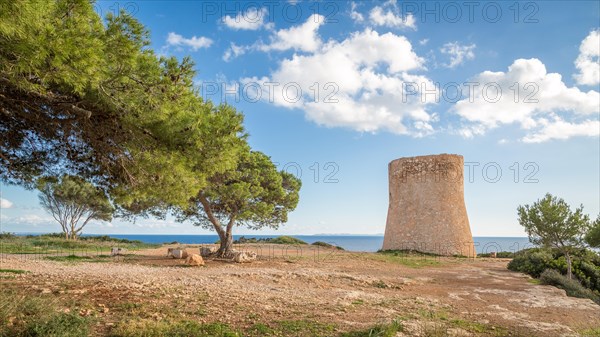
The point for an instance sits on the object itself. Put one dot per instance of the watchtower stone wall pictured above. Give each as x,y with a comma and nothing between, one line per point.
427,209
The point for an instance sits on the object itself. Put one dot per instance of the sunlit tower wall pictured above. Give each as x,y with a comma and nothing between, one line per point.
427,211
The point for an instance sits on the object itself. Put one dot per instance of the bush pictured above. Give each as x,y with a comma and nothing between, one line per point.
7,236
326,245
106,238
531,261
49,235
586,265
286,240
282,240
571,286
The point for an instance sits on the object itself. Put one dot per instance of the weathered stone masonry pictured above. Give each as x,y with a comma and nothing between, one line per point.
427,209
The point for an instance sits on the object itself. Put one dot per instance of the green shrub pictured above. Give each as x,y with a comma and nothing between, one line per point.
106,238
531,261
326,245
282,240
286,240
571,286
49,235
585,266
7,236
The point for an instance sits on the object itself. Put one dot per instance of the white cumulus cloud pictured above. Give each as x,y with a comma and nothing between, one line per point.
4,203
354,14
252,19
31,220
380,16
458,53
556,128
195,43
356,83
588,61
530,97
303,37
234,51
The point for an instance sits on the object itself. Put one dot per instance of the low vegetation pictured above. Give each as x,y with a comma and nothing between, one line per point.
76,258
281,240
38,316
585,265
53,314
571,286
326,245
151,328
500,255
407,258
380,330
56,243
550,223
12,271
590,332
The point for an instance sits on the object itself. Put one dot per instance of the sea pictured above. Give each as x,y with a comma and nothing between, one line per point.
359,243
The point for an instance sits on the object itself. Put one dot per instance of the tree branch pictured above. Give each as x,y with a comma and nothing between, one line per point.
208,210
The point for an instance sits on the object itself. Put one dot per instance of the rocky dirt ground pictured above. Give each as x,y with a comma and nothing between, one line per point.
350,290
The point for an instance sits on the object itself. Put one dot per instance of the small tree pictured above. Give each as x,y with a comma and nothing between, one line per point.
593,236
71,200
549,222
254,195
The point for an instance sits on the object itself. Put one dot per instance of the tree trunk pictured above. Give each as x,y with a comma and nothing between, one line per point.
226,244
569,271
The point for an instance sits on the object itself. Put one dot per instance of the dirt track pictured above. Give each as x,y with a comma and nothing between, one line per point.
352,290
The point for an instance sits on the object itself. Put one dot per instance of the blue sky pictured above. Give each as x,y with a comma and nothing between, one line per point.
513,87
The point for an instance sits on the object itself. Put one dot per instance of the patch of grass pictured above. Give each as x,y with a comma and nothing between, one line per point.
470,326
76,258
593,332
300,328
304,328
534,281
260,329
37,316
13,271
437,323
433,315
409,259
183,328
381,330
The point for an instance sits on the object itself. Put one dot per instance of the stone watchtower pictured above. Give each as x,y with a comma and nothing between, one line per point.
427,209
